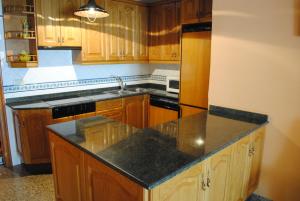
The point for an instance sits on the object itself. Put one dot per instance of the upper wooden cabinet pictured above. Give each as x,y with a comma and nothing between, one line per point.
56,24
164,45
194,11
121,37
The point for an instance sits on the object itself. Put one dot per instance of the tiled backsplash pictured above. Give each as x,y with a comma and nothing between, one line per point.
97,82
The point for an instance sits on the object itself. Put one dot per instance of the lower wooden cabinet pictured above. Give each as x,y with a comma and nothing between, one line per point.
68,170
136,111
31,135
158,115
245,166
102,183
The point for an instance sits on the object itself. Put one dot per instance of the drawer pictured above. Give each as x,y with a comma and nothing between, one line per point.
116,114
109,104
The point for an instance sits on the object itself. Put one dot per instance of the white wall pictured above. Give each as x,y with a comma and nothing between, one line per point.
256,67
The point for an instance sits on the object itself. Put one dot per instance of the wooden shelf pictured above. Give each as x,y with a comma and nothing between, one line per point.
15,62
19,10
20,35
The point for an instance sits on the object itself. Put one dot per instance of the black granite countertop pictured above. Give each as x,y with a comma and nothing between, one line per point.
153,155
70,98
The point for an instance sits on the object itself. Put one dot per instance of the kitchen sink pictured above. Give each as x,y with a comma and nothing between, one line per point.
122,92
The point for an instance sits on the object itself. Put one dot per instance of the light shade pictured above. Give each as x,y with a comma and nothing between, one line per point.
91,11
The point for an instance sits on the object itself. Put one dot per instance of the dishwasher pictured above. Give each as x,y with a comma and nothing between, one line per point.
162,109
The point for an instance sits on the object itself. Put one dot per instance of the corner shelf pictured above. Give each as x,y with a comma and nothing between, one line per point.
20,32
14,61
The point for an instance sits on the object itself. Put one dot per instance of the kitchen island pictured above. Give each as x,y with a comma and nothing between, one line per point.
200,157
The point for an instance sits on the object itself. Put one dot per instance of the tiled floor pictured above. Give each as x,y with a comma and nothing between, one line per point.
19,186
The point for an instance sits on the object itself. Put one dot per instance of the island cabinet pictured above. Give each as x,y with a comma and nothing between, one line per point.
57,25
228,175
31,135
195,11
164,33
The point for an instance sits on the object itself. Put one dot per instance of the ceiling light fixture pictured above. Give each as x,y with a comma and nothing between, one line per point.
91,11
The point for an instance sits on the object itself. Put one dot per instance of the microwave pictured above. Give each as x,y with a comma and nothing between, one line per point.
173,84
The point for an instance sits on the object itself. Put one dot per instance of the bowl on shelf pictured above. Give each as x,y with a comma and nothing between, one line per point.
24,56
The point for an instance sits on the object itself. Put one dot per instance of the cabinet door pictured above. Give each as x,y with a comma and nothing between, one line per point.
185,186
257,143
18,132
127,28
48,26
207,9
158,115
134,111
69,23
171,34
188,111
94,39
35,146
156,32
218,173
105,184
190,11
240,167
141,38
68,170
195,68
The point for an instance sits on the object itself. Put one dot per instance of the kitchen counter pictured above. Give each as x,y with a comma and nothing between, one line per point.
153,155
71,98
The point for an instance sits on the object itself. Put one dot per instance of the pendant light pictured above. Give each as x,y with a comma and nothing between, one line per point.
91,11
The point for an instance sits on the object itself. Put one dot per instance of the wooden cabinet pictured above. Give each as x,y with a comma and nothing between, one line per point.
136,108
164,45
239,170
79,176
158,115
56,24
185,186
113,109
121,30
31,135
256,158
102,183
217,176
195,11
195,69
141,37
68,170
188,111
207,181
94,40
246,162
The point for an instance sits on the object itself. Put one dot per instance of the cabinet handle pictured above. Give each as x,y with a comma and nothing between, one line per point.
208,179
203,185
58,40
250,151
208,182
63,39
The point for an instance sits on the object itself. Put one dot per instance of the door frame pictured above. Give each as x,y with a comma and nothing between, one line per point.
4,136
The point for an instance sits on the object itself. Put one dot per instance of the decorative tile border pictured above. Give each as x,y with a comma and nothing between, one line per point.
75,83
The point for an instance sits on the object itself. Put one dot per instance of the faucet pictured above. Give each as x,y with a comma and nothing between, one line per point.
120,81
